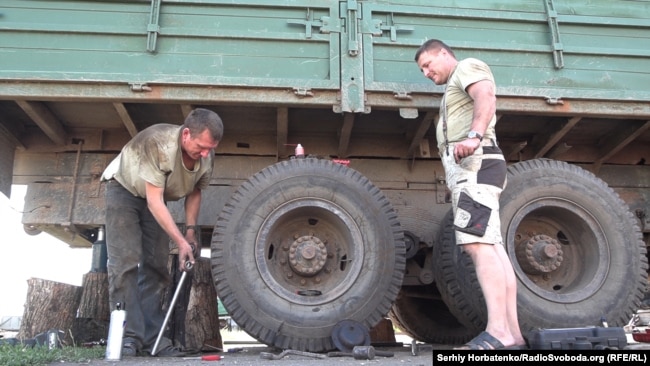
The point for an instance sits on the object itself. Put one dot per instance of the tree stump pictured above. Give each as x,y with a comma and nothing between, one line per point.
94,299
50,305
202,318
94,314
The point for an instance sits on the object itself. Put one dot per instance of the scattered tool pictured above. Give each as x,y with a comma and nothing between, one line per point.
417,347
101,342
362,353
272,356
188,266
205,358
216,349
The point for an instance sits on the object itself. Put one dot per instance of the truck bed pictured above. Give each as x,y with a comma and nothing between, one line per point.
79,78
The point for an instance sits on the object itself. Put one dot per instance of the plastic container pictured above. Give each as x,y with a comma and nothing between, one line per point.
578,338
115,334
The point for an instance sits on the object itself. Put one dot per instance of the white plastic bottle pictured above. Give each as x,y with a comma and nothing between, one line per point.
115,334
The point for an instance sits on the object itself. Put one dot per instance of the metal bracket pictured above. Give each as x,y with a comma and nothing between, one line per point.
441,191
309,23
140,87
352,25
554,101
303,92
557,46
378,29
153,28
402,95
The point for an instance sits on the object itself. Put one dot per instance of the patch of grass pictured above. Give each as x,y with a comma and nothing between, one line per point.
40,355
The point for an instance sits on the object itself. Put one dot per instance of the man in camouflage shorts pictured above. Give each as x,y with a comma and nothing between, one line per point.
476,174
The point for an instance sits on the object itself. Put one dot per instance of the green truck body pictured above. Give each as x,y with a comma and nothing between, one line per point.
79,78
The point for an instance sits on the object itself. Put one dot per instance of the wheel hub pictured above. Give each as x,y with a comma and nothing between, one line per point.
307,255
539,254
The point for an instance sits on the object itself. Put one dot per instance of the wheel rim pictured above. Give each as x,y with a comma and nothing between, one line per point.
309,266
560,249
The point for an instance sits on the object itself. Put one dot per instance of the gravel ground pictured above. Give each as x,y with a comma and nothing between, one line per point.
251,356
241,349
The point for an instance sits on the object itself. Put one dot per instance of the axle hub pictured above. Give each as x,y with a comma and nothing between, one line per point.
307,255
539,254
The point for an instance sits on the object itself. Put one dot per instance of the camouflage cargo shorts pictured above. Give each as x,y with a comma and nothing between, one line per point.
476,184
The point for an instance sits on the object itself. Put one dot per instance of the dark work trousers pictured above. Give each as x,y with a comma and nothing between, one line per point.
138,251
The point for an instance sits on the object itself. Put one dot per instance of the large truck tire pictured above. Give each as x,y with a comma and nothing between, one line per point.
456,279
587,259
576,249
428,320
302,245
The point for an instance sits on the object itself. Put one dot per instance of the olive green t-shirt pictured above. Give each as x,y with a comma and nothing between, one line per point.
459,105
154,155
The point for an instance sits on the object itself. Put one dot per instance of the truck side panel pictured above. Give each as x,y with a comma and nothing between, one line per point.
573,50
179,42
79,78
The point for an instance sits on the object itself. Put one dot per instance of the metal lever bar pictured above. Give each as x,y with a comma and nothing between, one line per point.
188,266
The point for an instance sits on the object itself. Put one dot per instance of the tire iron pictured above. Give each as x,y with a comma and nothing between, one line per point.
188,266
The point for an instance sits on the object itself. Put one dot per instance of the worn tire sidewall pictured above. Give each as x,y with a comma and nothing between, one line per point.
622,289
258,309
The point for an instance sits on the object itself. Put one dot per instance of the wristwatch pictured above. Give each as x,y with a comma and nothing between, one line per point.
474,134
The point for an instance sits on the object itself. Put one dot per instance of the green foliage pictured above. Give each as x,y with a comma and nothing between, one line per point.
40,355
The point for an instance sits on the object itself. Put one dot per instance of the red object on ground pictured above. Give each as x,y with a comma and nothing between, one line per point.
205,358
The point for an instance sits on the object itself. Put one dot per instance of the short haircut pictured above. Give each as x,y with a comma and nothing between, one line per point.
433,45
201,119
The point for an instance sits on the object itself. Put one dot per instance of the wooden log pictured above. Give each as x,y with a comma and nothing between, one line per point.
94,298
202,318
93,316
86,330
50,305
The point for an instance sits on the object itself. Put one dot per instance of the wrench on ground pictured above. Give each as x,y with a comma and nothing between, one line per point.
272,356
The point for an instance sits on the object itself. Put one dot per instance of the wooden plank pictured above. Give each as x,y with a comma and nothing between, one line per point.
282,121
544,144
423,128
126,118
346,132
41,115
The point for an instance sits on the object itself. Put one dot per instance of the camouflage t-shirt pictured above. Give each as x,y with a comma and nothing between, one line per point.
459,105
154,155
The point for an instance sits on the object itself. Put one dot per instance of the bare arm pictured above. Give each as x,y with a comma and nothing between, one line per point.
192,206
484,96
156,204
485,104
